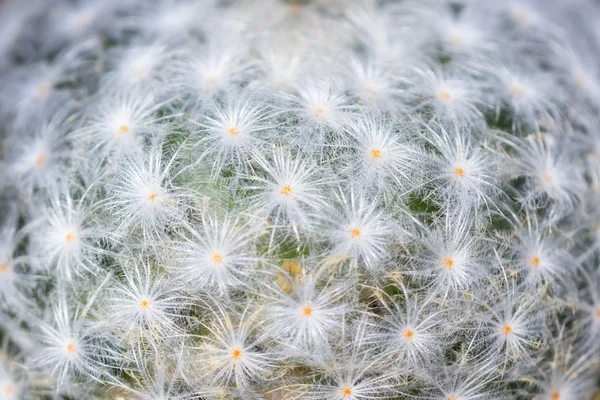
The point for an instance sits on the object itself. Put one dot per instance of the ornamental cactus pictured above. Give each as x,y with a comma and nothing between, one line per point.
320,199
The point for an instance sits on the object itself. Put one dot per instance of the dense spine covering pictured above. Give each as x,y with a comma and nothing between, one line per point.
299,199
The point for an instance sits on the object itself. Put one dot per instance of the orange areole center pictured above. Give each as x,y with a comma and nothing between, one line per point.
286,190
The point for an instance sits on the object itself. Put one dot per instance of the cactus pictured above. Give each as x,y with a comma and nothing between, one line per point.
325,199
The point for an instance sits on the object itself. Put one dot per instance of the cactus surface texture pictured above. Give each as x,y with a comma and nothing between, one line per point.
299,200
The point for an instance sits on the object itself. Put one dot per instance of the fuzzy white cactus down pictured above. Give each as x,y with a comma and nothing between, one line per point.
300,199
